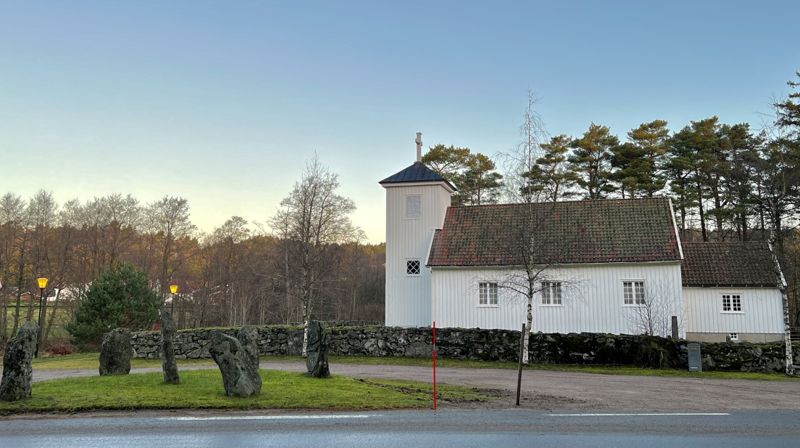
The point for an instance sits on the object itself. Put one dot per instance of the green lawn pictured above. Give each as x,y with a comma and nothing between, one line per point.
202,389
90,361
57,332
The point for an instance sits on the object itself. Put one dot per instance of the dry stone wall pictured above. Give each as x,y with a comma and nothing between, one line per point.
488,345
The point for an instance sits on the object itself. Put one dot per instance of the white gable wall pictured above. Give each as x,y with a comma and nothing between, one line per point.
762,313
408,298
593,298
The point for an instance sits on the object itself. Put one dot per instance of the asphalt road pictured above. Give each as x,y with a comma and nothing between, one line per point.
462,428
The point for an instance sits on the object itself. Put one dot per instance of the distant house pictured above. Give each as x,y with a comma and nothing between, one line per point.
610,265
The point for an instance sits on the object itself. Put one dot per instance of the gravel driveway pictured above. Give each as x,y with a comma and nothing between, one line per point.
550,390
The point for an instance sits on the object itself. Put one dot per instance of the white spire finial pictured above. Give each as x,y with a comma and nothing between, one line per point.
419,146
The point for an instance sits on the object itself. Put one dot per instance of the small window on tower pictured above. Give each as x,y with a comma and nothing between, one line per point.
412,267
413,206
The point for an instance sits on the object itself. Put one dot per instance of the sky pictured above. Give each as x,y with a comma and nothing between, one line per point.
224,102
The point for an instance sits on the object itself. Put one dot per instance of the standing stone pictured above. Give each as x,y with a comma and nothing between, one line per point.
248,337
168,364
317,359
116,352
17,370
238,362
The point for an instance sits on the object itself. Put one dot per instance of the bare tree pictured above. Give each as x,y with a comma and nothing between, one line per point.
316,219
652,311
535,253
169,220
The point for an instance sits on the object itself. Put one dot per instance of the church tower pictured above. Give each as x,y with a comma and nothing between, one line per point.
416,201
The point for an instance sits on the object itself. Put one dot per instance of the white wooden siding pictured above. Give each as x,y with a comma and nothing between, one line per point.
592,298
762,311
408,298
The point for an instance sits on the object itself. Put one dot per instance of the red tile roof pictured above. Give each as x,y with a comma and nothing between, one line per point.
729,264
591,231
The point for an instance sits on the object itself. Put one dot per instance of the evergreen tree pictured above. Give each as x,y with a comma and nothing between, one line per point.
651,139
590,160
480,183
740,145
120,297
630,168
551,174
473,174
679,168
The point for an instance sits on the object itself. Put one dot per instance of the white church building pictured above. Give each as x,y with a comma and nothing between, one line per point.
607,266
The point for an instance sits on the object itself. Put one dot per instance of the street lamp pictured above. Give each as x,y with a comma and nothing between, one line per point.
42,310
174,290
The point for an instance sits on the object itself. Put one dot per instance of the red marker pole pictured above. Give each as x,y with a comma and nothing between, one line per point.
434,365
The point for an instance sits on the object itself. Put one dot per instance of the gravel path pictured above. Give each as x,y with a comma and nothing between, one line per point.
550,390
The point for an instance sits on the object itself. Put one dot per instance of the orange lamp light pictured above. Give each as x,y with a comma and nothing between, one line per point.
173,289
42,282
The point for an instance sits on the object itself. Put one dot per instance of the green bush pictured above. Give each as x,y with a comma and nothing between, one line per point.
120,297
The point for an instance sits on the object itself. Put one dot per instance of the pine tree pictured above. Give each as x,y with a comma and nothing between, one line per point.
480,183
652,141
551,174
473,174
590,160
679,168
630,168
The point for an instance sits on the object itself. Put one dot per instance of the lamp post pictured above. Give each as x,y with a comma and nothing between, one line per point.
42,310
174,290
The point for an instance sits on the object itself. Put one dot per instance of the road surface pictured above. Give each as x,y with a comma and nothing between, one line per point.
462,428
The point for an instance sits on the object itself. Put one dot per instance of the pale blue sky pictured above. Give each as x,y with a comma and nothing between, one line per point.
223,102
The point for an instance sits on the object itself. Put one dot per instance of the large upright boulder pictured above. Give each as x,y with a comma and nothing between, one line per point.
17,370
237,359
317,352
116,352
168,363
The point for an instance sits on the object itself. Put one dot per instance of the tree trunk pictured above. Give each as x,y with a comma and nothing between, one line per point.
305,329
529,325
702,212
20,278
49,324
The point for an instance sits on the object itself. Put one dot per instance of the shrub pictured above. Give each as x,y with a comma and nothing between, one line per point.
120,297
59,348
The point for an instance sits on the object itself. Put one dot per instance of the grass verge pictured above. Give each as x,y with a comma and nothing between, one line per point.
202,389
90,361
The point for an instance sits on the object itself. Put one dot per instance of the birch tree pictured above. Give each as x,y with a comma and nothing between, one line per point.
532,262
316,219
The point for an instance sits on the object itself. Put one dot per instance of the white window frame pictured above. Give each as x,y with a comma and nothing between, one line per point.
419,203
488,294
419,270
636,300
548,298
734,298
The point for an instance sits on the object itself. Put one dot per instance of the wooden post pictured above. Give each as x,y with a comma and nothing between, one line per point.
675,327
519,372
434,366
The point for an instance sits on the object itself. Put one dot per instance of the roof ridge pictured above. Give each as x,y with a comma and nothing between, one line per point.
572,201
724,242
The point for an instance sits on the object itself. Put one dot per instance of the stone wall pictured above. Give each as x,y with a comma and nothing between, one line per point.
488,345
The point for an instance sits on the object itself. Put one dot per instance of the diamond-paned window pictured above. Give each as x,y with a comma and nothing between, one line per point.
412,267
